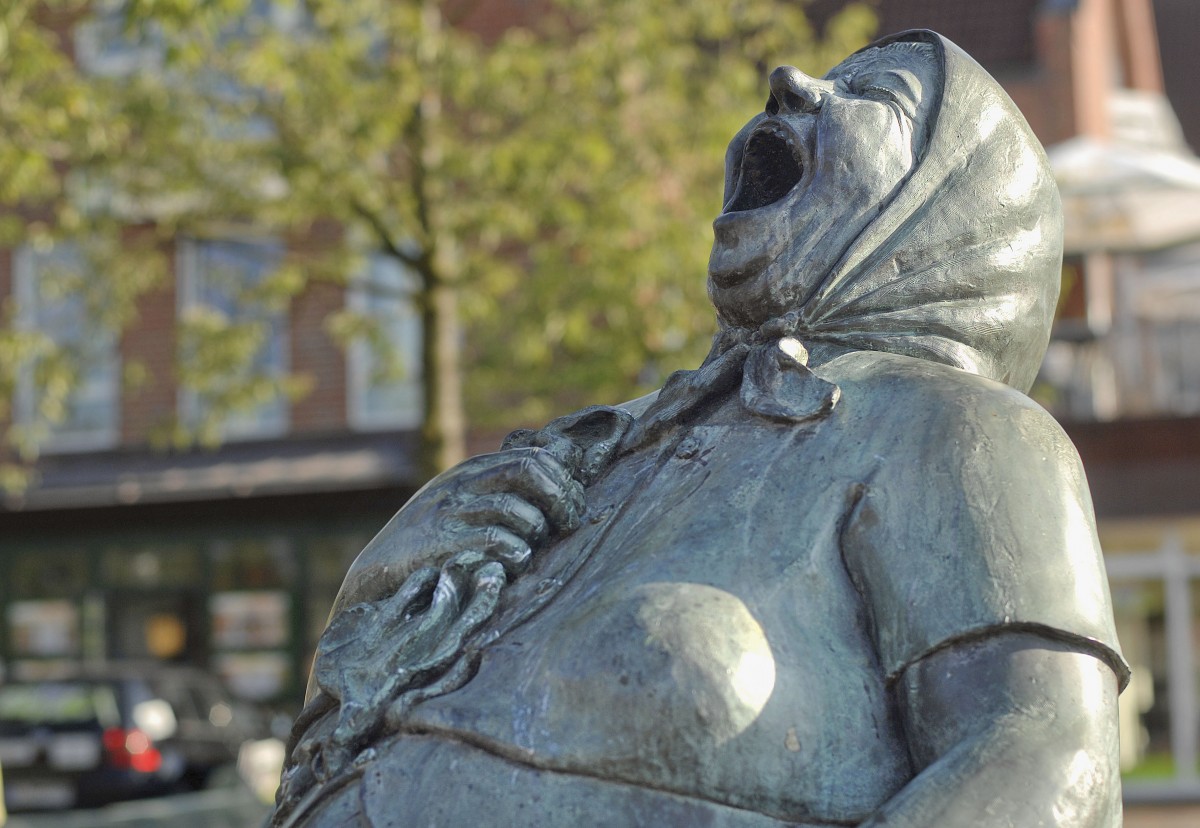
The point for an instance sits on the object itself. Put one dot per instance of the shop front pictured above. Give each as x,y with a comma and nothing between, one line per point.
243,592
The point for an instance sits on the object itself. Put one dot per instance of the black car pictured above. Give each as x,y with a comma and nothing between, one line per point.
117,732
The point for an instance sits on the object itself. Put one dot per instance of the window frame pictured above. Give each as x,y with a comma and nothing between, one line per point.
61,438
238,427
361,414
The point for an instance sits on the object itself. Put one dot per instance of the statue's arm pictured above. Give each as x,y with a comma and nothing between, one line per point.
974,548
1013,729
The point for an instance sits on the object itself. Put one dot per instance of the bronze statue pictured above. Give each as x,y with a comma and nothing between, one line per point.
844,573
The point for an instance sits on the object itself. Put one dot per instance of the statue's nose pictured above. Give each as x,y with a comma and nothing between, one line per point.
792,91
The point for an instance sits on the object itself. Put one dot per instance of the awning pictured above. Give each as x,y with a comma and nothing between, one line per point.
1120,197
1138,190
237,470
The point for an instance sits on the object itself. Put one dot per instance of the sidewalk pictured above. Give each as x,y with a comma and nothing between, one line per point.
229,807
1162,816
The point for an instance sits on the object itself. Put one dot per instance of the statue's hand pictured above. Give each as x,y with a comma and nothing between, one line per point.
504,504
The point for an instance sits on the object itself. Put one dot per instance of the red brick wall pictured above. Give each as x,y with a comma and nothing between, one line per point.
150,341
1177,22
316,356
1044,92
998,35
6,278
490,20
6,288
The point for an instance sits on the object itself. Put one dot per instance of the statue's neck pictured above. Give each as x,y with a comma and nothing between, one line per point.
788,325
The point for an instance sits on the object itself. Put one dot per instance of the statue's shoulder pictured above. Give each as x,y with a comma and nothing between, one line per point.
954,406
973,515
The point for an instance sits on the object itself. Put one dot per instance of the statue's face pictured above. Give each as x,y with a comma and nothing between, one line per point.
806,176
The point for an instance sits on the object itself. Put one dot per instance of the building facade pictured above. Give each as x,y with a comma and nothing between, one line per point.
227,558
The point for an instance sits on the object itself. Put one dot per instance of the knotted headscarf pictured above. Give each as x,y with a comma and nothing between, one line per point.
963,266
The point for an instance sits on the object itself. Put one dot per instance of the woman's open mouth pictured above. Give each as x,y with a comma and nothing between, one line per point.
771,167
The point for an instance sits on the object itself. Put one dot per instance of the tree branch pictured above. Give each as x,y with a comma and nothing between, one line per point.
459,12
385,237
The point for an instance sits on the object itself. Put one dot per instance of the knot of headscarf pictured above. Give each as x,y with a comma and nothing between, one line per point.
769,362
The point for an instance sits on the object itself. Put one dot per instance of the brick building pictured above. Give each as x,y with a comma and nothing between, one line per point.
230,558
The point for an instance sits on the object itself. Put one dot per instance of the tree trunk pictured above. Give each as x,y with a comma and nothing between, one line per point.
443,432
444,427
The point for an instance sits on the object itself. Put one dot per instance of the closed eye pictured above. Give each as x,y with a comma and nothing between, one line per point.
896,101
889,95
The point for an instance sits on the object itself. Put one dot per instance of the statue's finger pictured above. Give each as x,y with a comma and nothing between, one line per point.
547,484
510,511
500,544
537,477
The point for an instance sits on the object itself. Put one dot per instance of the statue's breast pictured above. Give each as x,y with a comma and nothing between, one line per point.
712,644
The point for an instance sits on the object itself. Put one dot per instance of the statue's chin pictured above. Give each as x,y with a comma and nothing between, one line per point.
753,254
736,257
745,242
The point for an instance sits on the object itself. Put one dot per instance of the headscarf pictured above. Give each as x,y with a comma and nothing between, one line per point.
963,266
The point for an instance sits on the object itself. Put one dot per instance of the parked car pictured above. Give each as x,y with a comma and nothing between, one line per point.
116,732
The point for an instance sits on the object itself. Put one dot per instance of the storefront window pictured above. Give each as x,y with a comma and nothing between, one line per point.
44,629
249,620
151,565
246,621
250,614
48,573
1154,573
260,563
328,561
250,607
254,676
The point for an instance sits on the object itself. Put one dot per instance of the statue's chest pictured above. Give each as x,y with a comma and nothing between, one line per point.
710,642
721,504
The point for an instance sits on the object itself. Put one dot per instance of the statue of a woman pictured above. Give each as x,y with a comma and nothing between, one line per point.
844,573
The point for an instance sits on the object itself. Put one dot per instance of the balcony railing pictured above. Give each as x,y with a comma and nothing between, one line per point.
1144,368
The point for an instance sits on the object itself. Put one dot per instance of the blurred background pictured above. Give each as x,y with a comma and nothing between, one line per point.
267,265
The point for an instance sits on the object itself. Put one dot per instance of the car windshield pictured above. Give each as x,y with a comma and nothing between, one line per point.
58,703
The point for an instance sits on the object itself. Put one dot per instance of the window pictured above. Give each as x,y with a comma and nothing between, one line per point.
1154,571
1129,346
105,45
250,612
385,367
225,302
51,297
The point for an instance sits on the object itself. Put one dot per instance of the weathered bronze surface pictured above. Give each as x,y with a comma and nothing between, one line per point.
844,573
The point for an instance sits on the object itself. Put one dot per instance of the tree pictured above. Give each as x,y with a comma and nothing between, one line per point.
550,185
